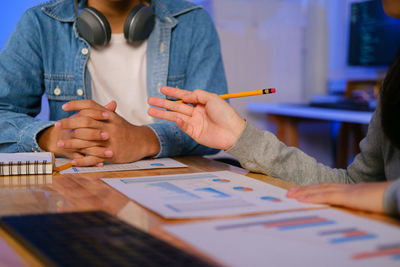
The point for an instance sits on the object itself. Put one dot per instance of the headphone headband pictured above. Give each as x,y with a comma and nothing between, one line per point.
76,4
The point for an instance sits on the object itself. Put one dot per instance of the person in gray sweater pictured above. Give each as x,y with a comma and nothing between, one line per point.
370,183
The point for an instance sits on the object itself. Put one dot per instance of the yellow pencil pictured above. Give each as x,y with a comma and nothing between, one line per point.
248,93
64,166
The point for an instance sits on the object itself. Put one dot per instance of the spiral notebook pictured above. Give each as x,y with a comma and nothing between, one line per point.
26,163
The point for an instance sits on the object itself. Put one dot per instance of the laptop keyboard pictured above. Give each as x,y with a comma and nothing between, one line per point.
92,239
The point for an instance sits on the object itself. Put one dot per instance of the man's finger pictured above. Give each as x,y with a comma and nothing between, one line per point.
76,144
82,104
90,134
98,151
95,114
87,161
112,106
79,122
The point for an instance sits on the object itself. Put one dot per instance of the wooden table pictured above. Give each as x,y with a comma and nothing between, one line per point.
85,192
288,116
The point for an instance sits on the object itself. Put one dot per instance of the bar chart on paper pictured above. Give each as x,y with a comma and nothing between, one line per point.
323,237
204,194
160,163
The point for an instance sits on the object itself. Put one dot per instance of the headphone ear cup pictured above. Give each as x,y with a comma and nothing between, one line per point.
139,23
93,27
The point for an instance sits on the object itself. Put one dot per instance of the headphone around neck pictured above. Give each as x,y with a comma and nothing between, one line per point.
93,26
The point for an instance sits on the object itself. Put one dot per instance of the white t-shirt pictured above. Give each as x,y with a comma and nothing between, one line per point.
118,72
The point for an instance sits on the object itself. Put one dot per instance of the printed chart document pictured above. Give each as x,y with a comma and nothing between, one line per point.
204,194
161,163
319,237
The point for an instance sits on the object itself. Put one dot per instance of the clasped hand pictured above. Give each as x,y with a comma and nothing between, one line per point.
97,134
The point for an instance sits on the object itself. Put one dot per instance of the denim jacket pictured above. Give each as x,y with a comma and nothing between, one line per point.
45,54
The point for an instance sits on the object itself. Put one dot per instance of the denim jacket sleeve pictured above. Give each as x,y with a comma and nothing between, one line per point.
21,88
204,71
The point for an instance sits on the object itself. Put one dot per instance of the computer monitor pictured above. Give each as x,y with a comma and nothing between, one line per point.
374,37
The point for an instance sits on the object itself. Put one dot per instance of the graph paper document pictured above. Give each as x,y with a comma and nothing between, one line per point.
320,237
161,163
204,194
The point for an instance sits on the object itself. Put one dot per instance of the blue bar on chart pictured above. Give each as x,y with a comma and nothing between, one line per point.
243,188
347,235
173,192
284,224
221,180
214,192
271,199
168,178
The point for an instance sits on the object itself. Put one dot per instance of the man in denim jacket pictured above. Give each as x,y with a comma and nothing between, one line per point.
46,54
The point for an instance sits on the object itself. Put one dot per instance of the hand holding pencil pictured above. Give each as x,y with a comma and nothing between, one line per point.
211,121
244,94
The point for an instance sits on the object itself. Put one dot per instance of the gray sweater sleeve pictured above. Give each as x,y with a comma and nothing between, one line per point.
261,151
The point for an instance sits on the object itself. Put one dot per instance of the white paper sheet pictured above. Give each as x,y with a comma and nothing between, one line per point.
321,237
161,163
204,194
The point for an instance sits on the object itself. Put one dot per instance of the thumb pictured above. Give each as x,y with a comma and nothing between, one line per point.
112,106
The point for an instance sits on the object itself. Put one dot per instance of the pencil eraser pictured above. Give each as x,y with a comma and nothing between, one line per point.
272,90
